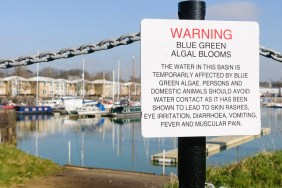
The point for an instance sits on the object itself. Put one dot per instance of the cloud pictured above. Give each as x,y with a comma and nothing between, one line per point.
236,10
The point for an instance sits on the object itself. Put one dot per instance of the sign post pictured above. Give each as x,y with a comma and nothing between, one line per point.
192,150
198,78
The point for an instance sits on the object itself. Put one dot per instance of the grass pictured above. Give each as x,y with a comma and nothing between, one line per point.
16,165
260,171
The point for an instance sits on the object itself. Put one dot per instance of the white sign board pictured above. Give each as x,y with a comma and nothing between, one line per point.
199,78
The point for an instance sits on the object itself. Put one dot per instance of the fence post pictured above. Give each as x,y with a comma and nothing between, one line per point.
192,150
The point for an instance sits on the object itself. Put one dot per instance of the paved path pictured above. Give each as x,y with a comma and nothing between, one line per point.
97,178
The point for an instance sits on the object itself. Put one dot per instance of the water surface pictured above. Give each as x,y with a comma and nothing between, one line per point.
118,144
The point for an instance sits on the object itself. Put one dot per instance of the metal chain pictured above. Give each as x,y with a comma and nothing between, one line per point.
270,53
91,48
70,52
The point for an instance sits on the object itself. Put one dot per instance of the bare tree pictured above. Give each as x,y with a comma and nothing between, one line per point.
107,75
2,73
50,72
135,79
22,72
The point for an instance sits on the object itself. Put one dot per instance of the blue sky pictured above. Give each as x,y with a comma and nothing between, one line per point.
32,25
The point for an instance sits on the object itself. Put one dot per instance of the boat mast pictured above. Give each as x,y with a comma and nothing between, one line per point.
113,86
133,72
118,89
37,89
103,84
83,82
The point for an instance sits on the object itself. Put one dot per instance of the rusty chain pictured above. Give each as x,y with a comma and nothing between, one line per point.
91,48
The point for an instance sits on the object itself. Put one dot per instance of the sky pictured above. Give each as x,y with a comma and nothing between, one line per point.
35,25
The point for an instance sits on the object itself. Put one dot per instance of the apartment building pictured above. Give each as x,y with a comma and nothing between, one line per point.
15,86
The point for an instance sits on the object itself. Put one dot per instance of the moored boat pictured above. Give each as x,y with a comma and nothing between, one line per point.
126,111
265,101
71,104
7,107
33,109
277,105
270,105
92,110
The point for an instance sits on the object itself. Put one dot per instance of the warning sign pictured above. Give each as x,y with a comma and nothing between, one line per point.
199,78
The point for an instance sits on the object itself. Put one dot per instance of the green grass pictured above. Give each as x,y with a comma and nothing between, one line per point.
262,170
16,165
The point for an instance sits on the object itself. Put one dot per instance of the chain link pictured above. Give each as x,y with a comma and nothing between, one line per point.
91,48
70,52
270,53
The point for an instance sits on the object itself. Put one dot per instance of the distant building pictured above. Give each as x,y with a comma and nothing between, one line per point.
104,88
15,86
131,89
270,92
45,86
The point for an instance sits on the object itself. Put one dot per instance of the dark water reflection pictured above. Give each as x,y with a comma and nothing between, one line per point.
8,133
118,143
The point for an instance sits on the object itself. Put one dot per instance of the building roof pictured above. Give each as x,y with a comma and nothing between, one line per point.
130,83
102,82
41,79
10,78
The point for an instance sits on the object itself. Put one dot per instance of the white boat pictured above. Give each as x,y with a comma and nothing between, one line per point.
277,105
54,103
75,103
90,110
